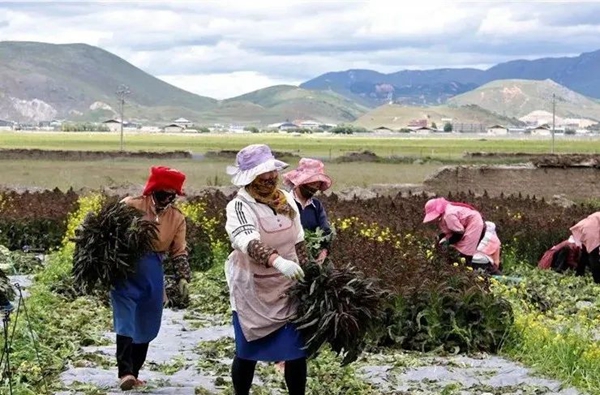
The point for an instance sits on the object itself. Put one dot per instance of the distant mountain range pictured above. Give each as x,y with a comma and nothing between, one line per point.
41,82
430,87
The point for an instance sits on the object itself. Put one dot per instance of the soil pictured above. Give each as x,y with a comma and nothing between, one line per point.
180,362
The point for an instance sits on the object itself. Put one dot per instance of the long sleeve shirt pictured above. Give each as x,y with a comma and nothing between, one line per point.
171,225
242,224
313,216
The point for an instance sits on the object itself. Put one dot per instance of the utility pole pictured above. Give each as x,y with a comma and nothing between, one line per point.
553,118
122,92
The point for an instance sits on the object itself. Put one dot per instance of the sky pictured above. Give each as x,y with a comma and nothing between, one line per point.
223,48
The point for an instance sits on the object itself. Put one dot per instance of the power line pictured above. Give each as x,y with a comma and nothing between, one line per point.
553,118
122,92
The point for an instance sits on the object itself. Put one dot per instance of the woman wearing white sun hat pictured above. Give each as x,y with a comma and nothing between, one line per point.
263,224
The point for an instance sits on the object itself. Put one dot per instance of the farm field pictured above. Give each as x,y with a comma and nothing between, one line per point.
439,146
21,174
422,157
452,331
536,332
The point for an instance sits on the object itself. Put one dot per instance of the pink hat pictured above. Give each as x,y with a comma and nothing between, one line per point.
434,208
308,171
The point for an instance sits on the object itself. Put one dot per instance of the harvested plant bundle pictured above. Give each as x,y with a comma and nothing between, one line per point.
109,245
338,306
6,288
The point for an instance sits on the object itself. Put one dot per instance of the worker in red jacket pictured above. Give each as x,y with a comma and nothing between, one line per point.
563,256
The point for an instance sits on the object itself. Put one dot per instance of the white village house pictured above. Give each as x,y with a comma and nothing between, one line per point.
498,130
113,125
541,131
6,125
173,128
183,122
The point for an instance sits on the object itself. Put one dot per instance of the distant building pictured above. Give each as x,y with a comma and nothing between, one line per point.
498,130
173,128
183,122
382,129
541,131
113,125
310,125
6,125
423,130
283,126
237,129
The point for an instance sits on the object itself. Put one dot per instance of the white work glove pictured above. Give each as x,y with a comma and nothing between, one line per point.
290,269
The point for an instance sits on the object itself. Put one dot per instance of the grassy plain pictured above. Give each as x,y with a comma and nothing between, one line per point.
203,171
438,146
115,173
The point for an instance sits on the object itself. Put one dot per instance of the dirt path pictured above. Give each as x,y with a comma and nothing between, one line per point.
186,360
192,355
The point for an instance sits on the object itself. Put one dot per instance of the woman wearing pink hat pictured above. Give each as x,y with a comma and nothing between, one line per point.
305,181
462,225
263,224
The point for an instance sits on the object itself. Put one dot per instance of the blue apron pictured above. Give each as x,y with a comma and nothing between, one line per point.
138,303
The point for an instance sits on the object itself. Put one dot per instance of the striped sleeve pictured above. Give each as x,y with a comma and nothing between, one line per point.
241,225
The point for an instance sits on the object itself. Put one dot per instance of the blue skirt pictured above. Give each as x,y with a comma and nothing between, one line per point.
285,344
138,303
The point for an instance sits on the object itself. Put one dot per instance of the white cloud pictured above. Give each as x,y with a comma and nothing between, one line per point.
224,86
256,43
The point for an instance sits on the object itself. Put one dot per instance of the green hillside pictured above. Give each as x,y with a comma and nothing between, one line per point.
395,116
281,102
517,98
39,80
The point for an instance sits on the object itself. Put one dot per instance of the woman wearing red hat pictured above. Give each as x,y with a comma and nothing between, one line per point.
138,304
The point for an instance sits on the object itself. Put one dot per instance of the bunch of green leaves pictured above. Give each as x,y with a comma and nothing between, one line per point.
109,244
6,288
339,306
18,262
455,314
315,240
36,233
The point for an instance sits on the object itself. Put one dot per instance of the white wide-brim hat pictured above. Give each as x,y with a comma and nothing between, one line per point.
252,161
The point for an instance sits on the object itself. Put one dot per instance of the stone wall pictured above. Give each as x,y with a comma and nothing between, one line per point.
576,183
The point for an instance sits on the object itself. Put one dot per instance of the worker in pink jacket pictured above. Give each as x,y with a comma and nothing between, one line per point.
586,233
487,256
462,225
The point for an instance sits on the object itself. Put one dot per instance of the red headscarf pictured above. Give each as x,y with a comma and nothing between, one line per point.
162,177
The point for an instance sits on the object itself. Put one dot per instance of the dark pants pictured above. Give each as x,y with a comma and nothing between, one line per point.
3,300
242,373
130,356
560,260
591,259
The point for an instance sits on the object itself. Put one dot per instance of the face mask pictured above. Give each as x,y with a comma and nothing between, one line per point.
307,192
163,198
265,187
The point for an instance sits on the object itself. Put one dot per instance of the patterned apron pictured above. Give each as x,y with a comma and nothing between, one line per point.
259,293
